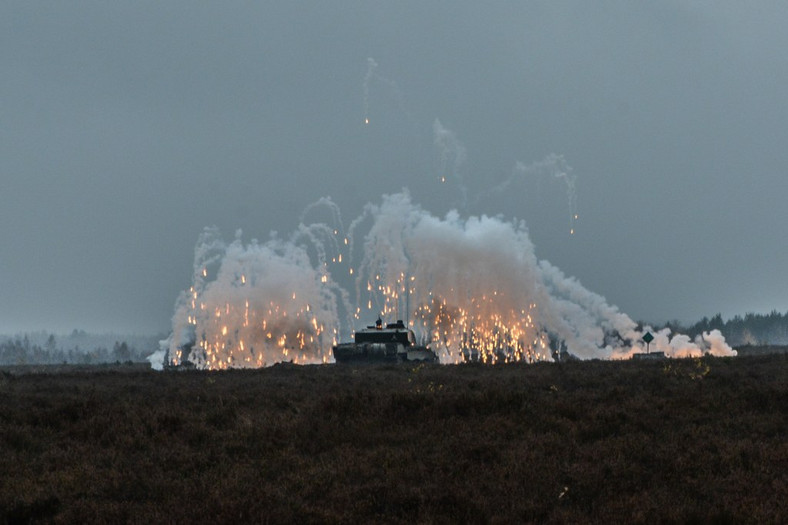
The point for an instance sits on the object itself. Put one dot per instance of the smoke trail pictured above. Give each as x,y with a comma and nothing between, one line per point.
392,89
552,166
471,287
451,156
371,66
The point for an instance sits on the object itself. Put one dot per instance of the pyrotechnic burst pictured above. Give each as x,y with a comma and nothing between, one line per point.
254,305
468,286
472,288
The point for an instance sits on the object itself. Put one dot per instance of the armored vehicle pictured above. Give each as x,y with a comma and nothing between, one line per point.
375,344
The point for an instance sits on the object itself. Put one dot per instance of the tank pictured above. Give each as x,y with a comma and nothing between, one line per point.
375,344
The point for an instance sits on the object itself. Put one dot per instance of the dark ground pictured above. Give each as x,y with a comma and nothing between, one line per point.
676,441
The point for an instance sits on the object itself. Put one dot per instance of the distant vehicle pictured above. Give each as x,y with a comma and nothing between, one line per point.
375,344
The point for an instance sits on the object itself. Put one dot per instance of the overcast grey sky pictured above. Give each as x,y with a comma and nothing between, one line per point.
127,127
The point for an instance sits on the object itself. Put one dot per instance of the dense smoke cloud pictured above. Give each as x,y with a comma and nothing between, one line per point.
254,304
467,286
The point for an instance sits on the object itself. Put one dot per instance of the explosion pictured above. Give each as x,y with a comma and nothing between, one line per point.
473,289
470,285
252,306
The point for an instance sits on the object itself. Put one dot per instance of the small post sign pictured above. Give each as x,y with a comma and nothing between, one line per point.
647,337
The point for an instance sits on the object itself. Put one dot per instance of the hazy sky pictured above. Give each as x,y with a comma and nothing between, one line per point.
127,127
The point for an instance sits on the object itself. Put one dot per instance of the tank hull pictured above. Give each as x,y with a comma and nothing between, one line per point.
382,353
393,344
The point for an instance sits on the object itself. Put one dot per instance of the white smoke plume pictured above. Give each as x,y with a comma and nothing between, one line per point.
470,287
589,326
255,304
680,345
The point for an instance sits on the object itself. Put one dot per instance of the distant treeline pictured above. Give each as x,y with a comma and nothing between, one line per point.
41,348
752,329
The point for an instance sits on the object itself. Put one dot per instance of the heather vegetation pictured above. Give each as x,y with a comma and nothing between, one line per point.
683,441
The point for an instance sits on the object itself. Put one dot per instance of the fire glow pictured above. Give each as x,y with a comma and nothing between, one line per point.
471,288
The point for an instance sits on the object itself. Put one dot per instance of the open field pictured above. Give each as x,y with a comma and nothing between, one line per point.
671,441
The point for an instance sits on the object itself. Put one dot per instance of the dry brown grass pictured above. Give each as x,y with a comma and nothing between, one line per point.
701,441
